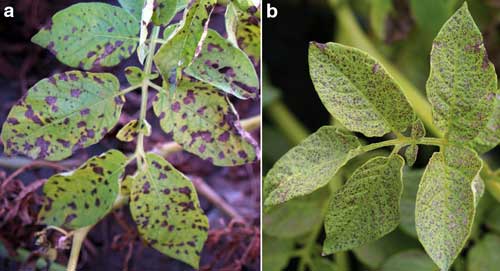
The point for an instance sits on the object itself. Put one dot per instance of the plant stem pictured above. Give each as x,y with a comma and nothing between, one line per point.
144,95
78,238
400,142
286,122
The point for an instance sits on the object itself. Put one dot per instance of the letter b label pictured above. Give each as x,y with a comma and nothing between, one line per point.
272,12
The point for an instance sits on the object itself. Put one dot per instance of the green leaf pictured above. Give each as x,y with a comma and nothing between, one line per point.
90,35
357,90
309,165
179,50
411,260
296,217
226,67
411,181
484,255
430,15
131,130
277,253
133,7
167,212
444,209
204,122
82,197
135,76
165,10
63,113
374,254
367,206
411,152
462,84
379,15
493,220
243,30
489,136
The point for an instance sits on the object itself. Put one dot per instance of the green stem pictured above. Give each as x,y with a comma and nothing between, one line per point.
403,141
140,153
286,122
127,90
78,238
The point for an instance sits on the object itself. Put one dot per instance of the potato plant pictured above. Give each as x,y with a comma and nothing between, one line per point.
68,111
364,98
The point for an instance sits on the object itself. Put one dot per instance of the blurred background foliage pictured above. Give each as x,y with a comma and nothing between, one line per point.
399,34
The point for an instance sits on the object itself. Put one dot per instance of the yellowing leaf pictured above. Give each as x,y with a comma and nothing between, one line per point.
243,29
90,35
82,197
167,212
205,123
180,49
357,90
63,113
445,204
309,165
367,206
130,131
462,84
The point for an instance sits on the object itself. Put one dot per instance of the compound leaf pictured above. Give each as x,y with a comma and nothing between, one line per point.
167,212
309,165
357,90
90,35
367,206
225,66
205,123
483,256
243,29
184,44
131,130
462,84
82,197
445,205
63,113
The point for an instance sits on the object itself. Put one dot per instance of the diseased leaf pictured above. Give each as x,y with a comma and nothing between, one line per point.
357,90
167,212
134,7
367,206
309,165
179,50
63,113
243,29
225,66
444,209
489,136
131,130
82,197
462,84
484,255
205,123
90,35
165,10
411,260
411,181
411,152
135,75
